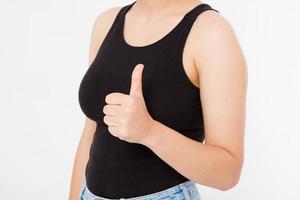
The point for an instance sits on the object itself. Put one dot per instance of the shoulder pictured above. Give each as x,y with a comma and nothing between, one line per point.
211,19
106,17
211,26
104,20
100,27
214,40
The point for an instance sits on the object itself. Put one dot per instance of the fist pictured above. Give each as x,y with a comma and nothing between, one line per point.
126,115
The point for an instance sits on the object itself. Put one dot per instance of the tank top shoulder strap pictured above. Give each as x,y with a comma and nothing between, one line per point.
115,28
178,39
196,11
125,8
189,18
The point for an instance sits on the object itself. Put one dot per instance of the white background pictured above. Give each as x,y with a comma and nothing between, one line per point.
44,54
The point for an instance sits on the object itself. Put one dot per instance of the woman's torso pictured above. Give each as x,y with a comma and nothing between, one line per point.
117,168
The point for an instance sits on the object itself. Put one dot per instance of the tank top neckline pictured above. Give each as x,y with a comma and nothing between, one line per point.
157,42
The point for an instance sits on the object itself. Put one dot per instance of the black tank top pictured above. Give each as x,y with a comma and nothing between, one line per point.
119,169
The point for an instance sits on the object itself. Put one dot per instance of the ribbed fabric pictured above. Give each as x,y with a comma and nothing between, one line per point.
119,169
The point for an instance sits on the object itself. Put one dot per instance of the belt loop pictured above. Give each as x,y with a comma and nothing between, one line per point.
185,192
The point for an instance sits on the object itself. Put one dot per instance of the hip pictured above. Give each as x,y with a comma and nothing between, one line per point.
183,191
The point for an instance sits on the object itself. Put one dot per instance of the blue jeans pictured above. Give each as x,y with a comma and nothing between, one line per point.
183,191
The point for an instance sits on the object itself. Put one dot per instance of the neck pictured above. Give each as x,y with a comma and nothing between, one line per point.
152,7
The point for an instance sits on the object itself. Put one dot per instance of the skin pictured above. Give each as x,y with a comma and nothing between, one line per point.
214,61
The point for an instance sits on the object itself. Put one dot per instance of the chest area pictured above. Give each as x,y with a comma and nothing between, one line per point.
167,95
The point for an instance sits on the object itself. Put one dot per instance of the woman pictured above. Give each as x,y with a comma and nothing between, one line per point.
164,99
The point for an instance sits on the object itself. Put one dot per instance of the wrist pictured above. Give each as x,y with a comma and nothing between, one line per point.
154,134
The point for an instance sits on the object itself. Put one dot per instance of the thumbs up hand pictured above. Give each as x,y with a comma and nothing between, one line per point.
126,115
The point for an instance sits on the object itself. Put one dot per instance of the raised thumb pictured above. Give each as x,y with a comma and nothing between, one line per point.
136,81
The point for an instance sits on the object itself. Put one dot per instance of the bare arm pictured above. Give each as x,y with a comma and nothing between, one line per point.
223,79
100,29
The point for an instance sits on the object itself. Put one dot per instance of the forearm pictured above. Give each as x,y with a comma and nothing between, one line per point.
80,161
205,164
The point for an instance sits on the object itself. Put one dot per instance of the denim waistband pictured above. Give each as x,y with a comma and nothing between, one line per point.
187,187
